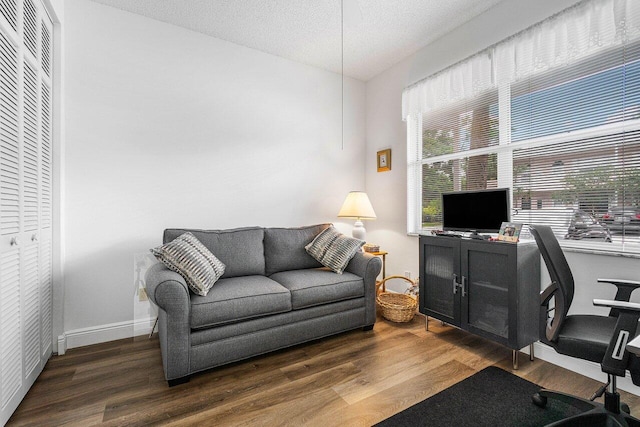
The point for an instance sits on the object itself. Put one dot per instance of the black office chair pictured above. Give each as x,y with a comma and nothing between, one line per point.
600,339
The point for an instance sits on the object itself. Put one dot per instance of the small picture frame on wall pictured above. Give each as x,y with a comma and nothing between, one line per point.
384,160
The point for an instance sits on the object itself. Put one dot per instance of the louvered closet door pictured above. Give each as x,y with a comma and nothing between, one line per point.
25,198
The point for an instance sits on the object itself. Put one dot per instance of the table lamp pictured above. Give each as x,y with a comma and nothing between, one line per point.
358,206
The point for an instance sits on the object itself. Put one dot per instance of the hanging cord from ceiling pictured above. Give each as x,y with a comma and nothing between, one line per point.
342,68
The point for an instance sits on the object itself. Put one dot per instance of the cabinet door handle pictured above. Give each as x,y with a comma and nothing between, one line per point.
455,283
464,286
14,241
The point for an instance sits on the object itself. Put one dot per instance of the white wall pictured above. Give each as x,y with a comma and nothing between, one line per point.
385,129
169,128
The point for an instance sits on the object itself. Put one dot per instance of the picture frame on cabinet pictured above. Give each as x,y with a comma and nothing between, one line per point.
510,231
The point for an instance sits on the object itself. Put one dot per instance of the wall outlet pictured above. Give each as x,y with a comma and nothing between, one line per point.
142,294
407,274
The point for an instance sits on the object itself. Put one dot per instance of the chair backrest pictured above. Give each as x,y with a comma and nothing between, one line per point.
556,263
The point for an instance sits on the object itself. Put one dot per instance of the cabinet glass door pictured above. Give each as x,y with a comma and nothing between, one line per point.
440,264
485,301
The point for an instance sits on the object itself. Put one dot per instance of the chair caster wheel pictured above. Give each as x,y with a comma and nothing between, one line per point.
625,408
539,401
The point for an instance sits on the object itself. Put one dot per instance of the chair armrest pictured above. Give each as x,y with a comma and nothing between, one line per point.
634,284
616,358
620,305
550,328
625,287
547,294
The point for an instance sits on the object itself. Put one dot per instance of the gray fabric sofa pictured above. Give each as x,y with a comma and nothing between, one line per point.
272,295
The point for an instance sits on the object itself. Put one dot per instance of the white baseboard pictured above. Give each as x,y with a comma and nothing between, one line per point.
103,333
62,345
583,367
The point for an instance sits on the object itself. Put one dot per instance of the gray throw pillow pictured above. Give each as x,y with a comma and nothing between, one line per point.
192,260
333,249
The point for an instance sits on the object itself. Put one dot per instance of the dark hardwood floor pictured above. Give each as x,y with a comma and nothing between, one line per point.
353,379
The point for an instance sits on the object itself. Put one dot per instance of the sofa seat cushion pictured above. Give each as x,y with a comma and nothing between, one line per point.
239,298
319,286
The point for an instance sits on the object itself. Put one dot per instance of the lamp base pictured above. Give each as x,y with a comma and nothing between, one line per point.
359,232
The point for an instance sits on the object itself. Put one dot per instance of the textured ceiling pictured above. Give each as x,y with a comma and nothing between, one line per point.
377,33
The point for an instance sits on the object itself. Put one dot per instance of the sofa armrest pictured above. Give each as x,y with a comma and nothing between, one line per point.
168,290
368,267
365,265
161,284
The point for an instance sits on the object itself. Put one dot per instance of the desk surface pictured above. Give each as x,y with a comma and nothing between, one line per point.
634,345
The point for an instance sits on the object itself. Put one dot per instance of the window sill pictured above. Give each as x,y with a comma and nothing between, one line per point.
610,249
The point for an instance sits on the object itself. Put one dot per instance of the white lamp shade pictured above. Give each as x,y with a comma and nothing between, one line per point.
357,205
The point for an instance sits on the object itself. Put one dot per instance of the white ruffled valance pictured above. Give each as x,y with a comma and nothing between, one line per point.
580,31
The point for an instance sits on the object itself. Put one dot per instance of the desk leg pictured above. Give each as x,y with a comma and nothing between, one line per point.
515,356
426,323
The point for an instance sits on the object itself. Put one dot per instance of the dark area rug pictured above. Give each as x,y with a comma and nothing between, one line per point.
491,397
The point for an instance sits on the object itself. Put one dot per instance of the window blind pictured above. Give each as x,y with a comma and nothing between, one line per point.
558,124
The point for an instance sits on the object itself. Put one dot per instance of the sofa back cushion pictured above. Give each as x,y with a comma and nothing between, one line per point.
284,248
241,250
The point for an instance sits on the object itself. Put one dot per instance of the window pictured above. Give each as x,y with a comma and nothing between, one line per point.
556,121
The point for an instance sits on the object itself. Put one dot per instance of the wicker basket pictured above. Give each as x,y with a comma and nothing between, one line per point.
396,307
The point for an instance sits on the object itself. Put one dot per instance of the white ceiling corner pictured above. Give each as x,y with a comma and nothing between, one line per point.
377,33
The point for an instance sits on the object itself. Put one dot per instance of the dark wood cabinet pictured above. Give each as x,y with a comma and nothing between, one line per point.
488,288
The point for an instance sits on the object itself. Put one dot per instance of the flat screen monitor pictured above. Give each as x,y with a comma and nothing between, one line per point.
483,210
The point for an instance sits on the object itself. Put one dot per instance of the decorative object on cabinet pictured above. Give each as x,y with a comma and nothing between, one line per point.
384,160
510,231
358,206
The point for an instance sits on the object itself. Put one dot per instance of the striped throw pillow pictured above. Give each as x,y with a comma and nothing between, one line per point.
333,249
192,260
